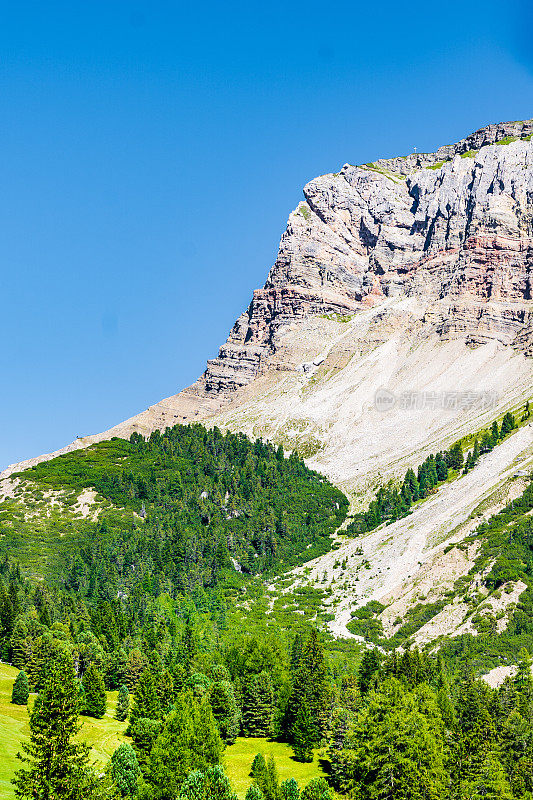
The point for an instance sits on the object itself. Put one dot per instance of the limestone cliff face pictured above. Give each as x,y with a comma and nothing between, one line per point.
412,273
454,226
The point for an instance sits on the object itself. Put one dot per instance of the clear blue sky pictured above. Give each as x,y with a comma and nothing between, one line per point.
150,154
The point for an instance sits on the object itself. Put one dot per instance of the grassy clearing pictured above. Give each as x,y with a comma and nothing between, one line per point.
103,735
238,760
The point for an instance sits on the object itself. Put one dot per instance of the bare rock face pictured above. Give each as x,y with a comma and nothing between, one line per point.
431,252
454,226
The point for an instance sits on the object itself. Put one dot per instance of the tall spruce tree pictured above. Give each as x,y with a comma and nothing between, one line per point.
145,700
489,782
95,697
188,741
123,703
21,690
303,733
56,768
310,684
225,710
258,705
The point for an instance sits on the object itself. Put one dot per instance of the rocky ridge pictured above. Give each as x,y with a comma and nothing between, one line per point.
379,260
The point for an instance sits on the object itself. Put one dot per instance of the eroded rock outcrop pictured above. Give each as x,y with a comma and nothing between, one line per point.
459,232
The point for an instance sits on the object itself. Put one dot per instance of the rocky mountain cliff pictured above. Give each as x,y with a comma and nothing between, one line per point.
397,318
412,274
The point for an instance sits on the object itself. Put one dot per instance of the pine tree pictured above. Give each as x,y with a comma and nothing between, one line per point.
254,793
210,784
145,700
124,769
523,685
55,767
95,695
495,433
411,482
225,710
455,457
303,733
317,789
395,746
188,741
368,667
258,767
164,687
488,782
135,666
21,690
310,683
441,467
19,644
123,703
475,731
296,652
258,705
288,790
508,424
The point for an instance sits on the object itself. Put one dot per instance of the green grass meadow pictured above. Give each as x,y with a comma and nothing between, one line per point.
104,736
239,756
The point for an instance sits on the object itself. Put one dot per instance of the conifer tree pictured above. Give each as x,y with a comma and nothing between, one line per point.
310,683
395,746
455,456
267,779
523,685
317,789
21,690
189,740
441,467
296,652
303,733
258,705
254,793
475,732
145,700
411,482
288,790
210,784
55,767
225,710
508,424
124,770
19,644
368,668
123,703
95,698
488,782
258,767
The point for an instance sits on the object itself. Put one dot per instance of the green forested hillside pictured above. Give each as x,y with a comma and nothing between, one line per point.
204,503
164,598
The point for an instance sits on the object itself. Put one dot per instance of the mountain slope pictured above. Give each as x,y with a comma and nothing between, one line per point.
422,266
397,319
